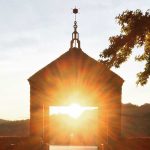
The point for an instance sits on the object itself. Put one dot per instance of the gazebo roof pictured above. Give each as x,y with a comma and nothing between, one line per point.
75,56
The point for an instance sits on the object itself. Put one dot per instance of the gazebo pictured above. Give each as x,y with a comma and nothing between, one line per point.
76,72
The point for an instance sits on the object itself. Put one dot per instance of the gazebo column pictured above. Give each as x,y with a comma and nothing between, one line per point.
114,117
36,113
103,126
116,124
46,123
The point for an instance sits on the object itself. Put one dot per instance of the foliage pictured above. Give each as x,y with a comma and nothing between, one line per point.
135,31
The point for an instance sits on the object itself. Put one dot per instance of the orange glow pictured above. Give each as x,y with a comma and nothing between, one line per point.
74,110
76,91
70,124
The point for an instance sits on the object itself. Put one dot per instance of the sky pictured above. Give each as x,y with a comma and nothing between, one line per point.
33,33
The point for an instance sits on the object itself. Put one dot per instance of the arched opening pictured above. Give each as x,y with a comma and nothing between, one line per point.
73,125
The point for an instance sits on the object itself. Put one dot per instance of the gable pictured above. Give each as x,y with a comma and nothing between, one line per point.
74,63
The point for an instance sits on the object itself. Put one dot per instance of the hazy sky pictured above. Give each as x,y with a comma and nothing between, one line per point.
35,32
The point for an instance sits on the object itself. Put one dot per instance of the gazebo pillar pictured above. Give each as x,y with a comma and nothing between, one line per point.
36,113
46,123
114,119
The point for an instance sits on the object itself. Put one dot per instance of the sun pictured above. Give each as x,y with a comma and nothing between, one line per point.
74,110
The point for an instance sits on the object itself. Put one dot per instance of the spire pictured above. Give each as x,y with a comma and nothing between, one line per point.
75,42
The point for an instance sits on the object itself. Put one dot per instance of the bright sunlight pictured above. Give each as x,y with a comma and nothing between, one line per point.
74,110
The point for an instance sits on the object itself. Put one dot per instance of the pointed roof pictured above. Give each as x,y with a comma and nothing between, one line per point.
75,55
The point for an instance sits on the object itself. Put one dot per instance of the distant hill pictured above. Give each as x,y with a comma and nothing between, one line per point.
2,121
14,128
130,109
135,120
135,123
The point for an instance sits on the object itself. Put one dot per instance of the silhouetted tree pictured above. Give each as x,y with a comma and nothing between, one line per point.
135,31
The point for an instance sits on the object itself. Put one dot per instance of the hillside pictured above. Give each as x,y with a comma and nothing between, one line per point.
135,120
135,123
14,128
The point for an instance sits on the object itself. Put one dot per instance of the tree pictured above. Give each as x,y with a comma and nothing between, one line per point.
135,31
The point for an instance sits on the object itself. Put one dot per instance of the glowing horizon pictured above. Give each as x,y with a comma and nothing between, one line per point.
74,110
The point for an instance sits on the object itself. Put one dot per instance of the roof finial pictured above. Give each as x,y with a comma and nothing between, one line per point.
75,11
75,35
